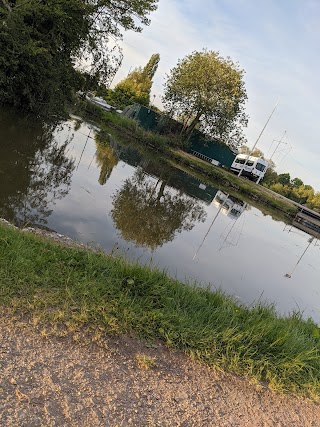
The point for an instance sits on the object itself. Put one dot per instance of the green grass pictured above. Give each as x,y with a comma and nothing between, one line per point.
71,288
168,148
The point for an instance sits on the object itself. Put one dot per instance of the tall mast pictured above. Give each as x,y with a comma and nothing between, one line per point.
247,158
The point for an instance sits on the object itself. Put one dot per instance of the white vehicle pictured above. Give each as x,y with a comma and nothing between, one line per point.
252,167
100,103
230,206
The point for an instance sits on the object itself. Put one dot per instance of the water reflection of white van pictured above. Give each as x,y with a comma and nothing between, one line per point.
230,206
255,167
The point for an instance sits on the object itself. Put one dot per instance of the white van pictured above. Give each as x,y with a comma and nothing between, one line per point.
254,168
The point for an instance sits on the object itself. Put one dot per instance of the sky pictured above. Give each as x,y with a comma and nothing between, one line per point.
276,42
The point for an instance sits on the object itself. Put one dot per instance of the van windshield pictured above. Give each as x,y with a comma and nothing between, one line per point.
241,161
260,167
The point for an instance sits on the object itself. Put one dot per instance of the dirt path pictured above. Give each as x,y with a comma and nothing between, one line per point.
58,382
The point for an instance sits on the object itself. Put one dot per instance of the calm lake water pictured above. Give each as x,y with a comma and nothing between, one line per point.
61,177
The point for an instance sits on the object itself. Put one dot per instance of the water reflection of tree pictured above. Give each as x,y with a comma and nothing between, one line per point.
106,159
150,215
34,168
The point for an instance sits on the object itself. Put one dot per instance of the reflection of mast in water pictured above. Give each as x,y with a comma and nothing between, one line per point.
225,240
289,275
213,221
88,136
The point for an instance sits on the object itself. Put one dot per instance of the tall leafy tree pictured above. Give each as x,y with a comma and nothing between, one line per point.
42,42
210,90
150,69
136,87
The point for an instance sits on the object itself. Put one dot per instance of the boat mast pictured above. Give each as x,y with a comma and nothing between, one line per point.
247,158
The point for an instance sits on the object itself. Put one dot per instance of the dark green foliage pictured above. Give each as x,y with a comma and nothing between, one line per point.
270,177
40,42
284,178
296,182
36,44
124,95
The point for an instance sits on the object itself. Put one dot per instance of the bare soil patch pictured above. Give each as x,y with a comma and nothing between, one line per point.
70,381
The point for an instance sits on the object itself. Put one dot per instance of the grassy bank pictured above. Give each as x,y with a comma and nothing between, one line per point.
169,148
71,287
243,186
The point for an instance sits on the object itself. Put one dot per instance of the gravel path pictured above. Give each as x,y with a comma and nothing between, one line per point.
52,381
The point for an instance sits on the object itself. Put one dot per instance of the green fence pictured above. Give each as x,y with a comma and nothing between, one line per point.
212,149
153,121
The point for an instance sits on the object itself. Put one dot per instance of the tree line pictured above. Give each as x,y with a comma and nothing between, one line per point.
292,188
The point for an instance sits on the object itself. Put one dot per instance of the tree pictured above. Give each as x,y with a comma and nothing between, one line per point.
150,69
281,189
136,87
315,201
284,179
270,177
210,90
149,215
303,194
244,149
42,41
296,182
124,94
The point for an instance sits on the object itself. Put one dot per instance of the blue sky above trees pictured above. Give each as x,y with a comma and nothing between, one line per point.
276,42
